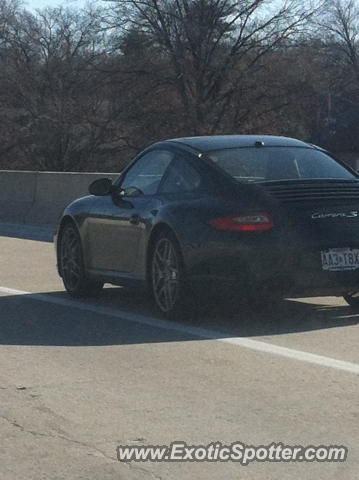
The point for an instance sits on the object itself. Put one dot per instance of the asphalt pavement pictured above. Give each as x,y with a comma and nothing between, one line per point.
79,378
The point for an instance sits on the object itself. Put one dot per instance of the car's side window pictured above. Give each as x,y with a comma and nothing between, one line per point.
146,174
181,177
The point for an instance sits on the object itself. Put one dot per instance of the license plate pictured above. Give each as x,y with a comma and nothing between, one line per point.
340,259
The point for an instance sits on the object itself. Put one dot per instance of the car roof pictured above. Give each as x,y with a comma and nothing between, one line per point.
218,142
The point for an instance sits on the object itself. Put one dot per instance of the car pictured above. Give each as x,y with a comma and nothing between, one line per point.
269,216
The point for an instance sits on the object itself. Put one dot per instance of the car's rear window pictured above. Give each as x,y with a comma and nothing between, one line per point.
267,164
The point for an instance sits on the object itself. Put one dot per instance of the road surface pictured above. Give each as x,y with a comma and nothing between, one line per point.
77,379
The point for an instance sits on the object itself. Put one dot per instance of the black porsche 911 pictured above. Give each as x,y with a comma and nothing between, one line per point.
270,215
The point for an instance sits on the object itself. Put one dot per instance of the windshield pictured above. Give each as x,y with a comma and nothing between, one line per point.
267,164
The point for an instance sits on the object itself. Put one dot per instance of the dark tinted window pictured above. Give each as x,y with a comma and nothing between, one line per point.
278,163
181,177
146,174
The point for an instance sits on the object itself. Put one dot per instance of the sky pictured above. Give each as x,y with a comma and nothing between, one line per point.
34,4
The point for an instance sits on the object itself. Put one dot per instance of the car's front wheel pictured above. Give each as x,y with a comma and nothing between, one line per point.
72,265
169,287
352,298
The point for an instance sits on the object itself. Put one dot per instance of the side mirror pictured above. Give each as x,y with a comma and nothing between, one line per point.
132,192
101,187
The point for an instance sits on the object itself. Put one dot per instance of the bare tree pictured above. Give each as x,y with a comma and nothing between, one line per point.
342,23
8,13
338,56
213,45
52,89
86,89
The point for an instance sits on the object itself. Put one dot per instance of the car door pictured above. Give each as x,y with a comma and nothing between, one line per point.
117,223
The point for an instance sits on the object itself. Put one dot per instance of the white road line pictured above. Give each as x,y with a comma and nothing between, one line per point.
191,331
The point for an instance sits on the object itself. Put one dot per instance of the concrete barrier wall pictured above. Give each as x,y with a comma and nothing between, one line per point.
38,198
17,194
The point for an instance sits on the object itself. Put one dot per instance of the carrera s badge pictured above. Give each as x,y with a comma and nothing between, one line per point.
352,214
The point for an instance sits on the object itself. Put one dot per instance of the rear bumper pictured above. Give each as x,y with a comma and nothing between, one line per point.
284,271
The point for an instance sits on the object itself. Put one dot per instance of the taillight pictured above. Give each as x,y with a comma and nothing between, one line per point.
250,222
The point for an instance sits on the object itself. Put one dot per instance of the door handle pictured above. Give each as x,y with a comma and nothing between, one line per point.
134,219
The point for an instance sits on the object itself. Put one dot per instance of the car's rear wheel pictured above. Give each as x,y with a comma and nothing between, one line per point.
169,287
72,265
352,298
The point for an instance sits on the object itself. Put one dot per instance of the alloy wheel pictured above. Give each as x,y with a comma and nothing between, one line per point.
71,261
165,275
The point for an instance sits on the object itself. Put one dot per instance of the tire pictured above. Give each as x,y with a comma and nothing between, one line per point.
352,300
72,265
168,284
